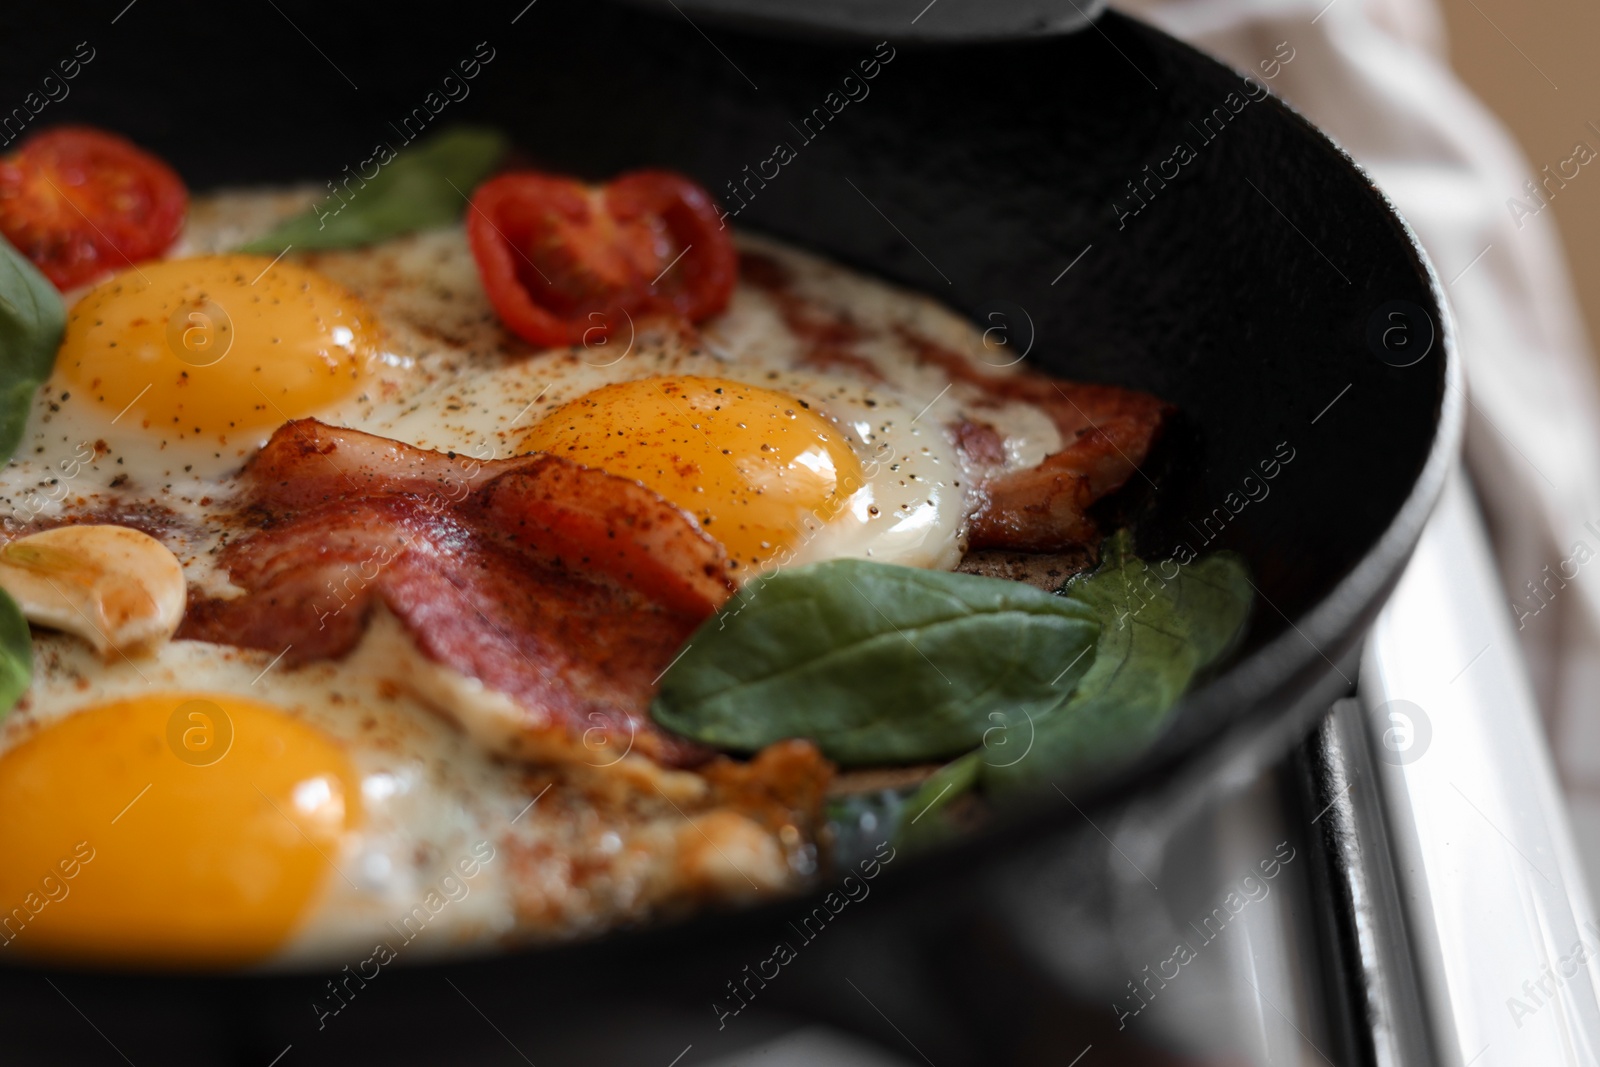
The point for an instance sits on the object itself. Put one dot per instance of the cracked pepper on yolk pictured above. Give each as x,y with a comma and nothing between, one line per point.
754,466
217,345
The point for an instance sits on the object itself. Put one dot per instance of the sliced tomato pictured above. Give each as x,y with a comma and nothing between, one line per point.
566,263
82,203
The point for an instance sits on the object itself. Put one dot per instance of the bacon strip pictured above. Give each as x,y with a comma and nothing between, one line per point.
1106,433
567,589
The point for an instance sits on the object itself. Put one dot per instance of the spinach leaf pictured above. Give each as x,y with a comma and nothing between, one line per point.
1159,627
875,663
925,822
16,653
32,318
417,188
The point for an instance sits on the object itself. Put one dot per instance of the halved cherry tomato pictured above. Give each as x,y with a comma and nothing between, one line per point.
566,263
81,203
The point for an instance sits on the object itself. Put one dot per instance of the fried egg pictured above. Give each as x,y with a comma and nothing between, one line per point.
217,806
196,361
207,805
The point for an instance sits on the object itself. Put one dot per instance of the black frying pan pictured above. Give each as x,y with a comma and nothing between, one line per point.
1263,286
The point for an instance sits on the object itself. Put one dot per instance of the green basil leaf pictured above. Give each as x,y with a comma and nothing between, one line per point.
16,653
423,186
875,663
32,319
1159,627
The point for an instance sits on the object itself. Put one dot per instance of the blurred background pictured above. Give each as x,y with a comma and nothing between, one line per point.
1533,63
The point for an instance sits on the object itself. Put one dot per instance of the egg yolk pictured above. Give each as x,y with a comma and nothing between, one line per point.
757,468
187,828
216,346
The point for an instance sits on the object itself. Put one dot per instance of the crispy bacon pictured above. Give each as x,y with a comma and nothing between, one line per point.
1106,434
564,588
1106,431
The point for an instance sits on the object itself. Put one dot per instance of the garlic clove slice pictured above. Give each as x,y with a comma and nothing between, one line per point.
117,588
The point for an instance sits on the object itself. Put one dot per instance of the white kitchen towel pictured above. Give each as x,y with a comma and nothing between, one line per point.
1374,74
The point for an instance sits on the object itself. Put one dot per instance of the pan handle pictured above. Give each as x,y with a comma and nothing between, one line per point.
896,20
